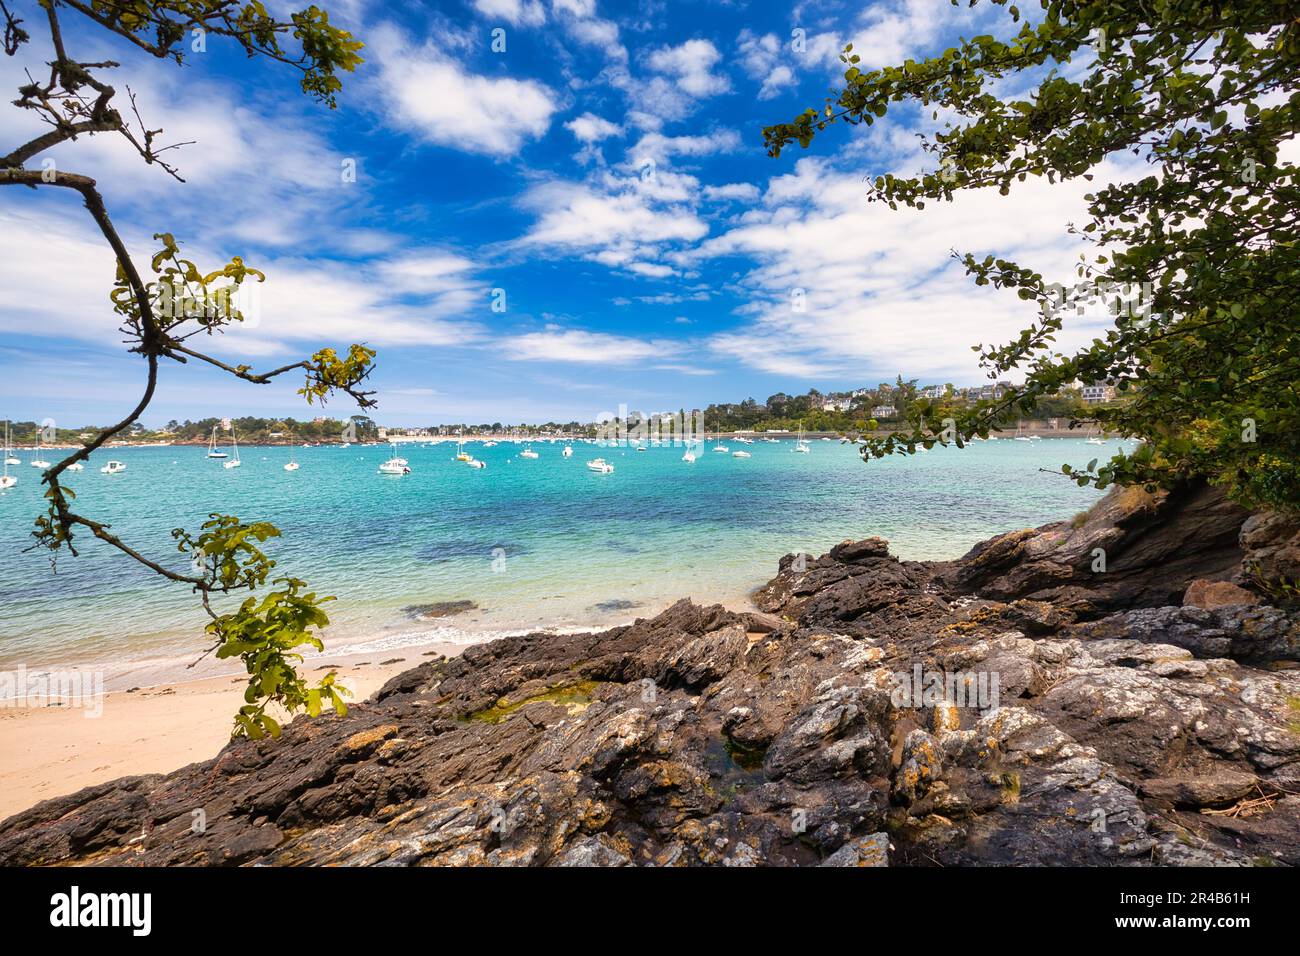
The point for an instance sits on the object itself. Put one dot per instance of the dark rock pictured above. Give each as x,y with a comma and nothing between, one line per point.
1206,790
429,612
1212,594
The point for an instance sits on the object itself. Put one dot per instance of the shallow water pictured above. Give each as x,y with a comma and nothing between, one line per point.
535,543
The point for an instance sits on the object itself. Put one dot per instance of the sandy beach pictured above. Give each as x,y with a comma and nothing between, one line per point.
54,750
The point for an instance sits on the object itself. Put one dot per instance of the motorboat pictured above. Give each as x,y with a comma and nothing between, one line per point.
600,465
113,468
291,466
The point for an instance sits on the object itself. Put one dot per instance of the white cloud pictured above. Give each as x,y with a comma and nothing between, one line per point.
590,128
434,97
615,228
572,345
766,58
841,284
655,147
741,192
59,288
515,12
691,65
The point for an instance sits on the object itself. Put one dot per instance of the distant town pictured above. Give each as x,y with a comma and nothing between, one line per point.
859,411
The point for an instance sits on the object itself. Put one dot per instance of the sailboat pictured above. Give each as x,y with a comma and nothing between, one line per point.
212,445
10,457
461,454
394,465
38,461
801,446
234,446
7,480
689,457
568,451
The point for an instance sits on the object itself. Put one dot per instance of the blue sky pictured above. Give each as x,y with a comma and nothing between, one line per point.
605,171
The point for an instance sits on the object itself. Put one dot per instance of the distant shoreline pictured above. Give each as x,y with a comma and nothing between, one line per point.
1034,431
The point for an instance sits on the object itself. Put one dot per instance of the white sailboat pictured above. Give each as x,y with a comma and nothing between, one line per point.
7,480
38,461
568,451
10,457
801,446
234,446
212,445
461,454
689,457
394,465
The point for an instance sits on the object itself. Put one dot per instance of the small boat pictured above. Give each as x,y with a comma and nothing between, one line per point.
7,480
801,446
113,468
722,448
689,457
395,465
600,465
76,466
741,454
568,451
10,458
461,454
1021,438
489,444
528,453
38,461
212,446
640,447
475,463
291,466
1096,441
234,444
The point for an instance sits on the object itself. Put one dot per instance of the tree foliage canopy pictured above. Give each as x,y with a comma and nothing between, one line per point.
1192,239
161,316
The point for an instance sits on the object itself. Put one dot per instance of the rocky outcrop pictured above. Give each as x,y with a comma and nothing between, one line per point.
1133,549
872,712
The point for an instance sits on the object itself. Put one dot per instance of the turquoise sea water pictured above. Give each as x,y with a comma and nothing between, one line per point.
541,543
